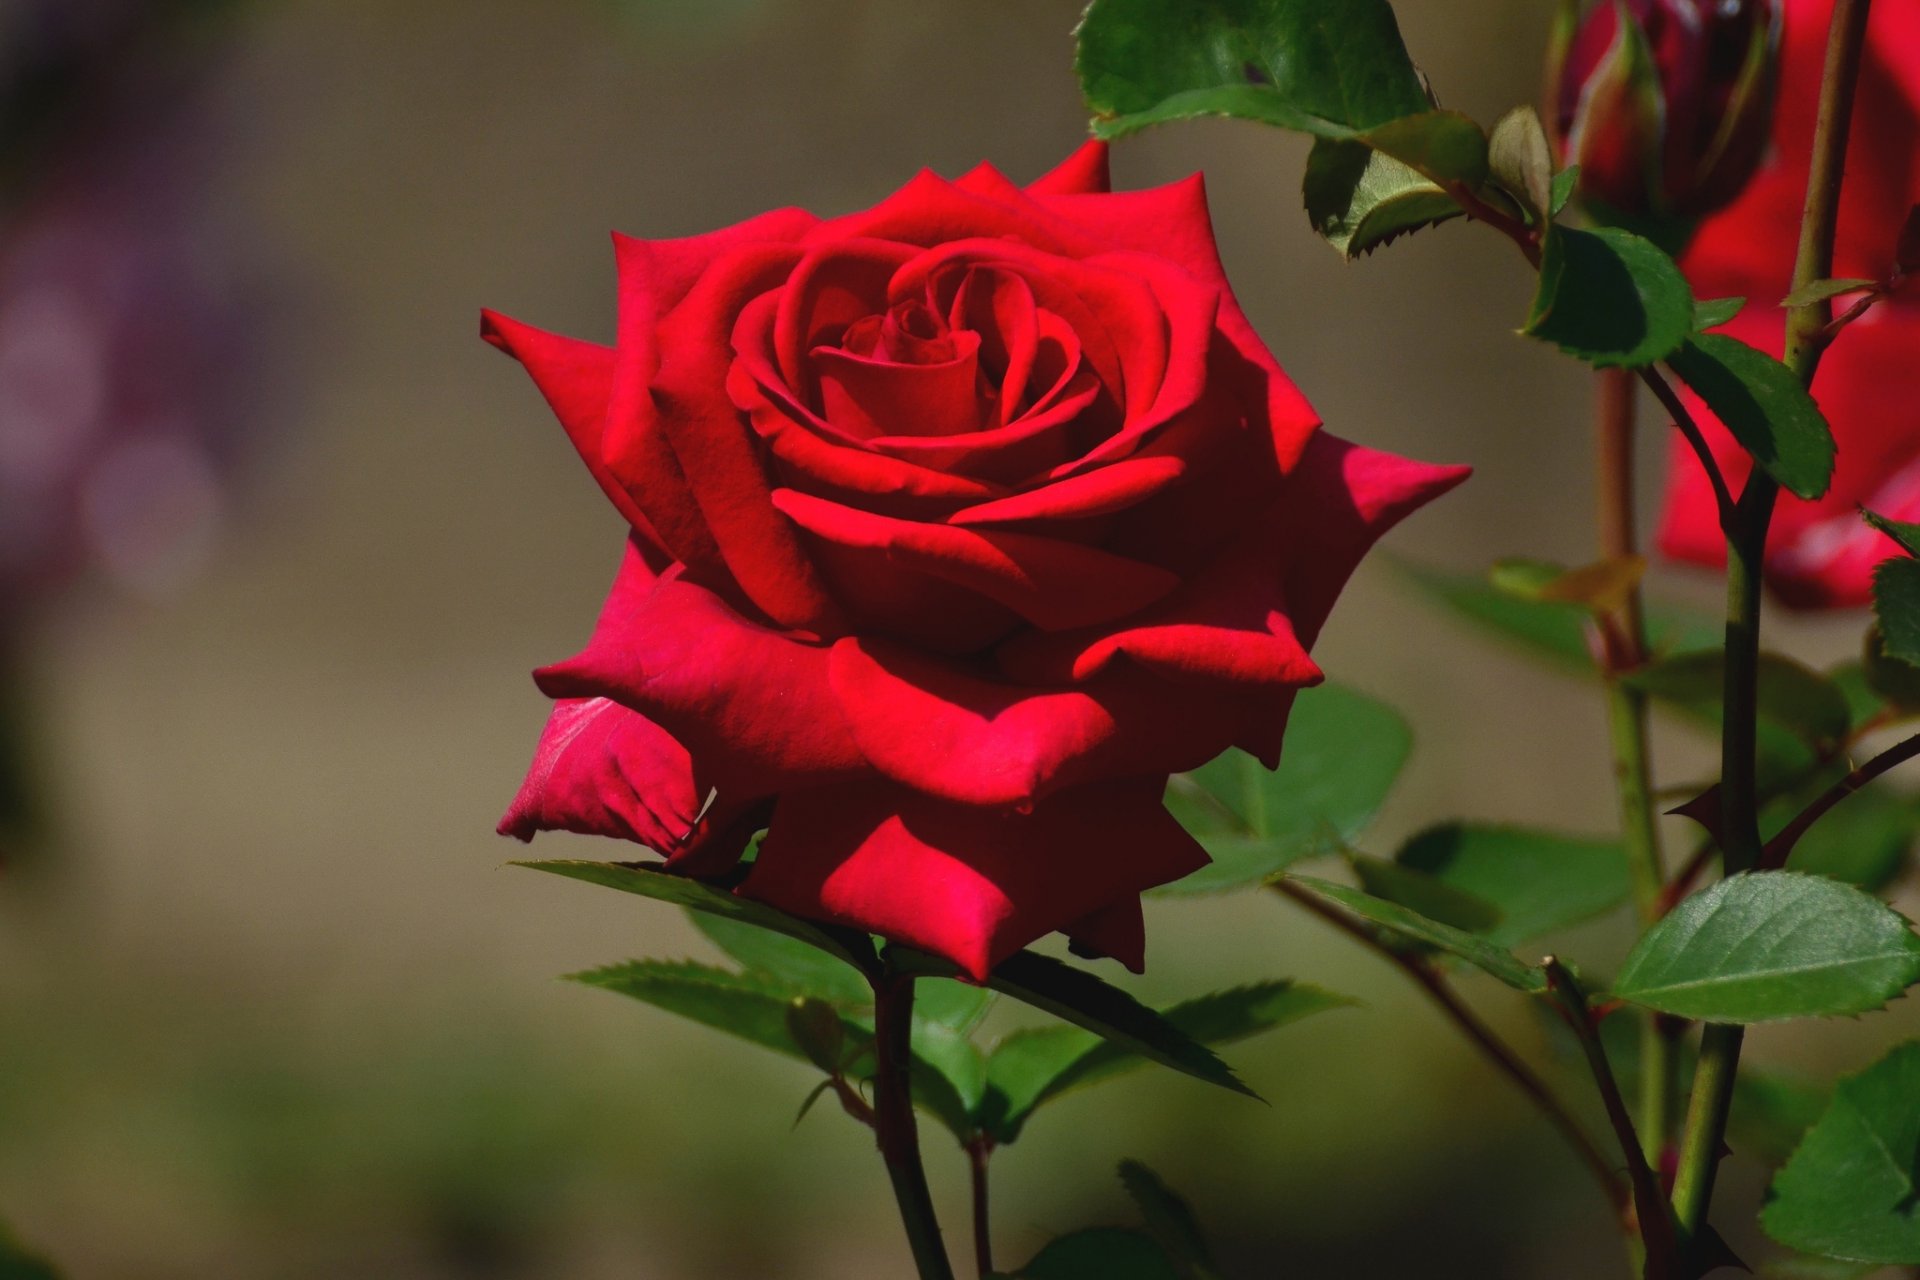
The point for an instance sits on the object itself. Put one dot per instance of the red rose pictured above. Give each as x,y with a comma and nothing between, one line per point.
958,525
1821,554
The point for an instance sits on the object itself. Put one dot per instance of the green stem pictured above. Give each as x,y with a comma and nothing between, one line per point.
1719,1063
894,1123
1482,1036
1654,1227
1627,724
979,1152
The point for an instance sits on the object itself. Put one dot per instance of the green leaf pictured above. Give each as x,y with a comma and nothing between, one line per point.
1343,752
1444,146
1905,534
1398,920
1301,64
1821,290
1101,1253
1771,1114
1420,892
754,1007
796,964
1865,840
1611,298
649,881
1033,1066
1852,1190
1770,945
1896,607
951,1003
1359,199
1792,696
948,1072
1170,1221
1893,682
1522,161
1552,631
818,1030
949,1075
1020,1069
1538,881
1764,405
1564,184
16,1263
1714,312
1817,1269
1076,996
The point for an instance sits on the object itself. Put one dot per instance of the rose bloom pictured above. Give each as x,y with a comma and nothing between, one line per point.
958,525
1821,554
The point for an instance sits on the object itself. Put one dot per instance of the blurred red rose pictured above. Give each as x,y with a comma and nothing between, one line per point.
1820,553
1665,104
958,525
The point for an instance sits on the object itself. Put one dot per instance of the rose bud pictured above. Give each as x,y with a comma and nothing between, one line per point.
956,525
1665,104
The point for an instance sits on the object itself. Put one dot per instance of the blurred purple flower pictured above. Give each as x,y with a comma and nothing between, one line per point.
125,339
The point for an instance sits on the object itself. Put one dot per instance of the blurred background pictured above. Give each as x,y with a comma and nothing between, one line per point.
280,540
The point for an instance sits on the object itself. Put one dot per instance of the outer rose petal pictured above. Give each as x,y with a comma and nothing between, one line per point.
1251,617
717,451
940,729
752,705
655,275
576,378
1084,172
973,885
602,770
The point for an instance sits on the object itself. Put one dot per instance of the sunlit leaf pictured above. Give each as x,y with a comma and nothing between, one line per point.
1343,752
1771,945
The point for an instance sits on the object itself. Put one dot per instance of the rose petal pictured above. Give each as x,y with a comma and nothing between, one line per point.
938,727
883,398
718,451
929,210
1251,616
655,276
602,770
1173,222
831,286
575,377
752,706
972,885
998,307
1050,583
1112,488
1083,172
1117,932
